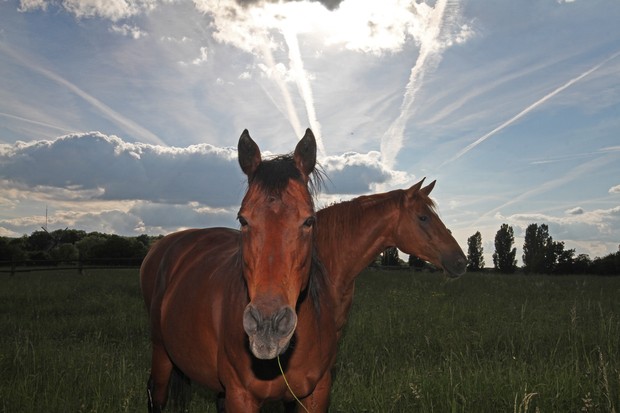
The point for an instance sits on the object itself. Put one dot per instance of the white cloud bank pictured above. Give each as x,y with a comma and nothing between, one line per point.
138,187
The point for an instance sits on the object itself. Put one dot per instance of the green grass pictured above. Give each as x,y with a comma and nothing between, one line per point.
414,343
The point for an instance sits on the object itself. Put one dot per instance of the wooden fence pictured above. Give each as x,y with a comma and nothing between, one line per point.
13,267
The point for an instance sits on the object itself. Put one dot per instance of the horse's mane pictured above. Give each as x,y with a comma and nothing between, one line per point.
348,214
272,175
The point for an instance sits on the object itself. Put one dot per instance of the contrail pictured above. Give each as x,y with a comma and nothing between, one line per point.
127,124
578,171
288,102
36,122
303,84
528,109
428,59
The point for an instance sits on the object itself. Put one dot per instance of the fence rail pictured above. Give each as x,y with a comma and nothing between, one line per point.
13,267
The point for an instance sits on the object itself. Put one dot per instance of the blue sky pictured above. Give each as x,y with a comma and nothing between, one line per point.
123,116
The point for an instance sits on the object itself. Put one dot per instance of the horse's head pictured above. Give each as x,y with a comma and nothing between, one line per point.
420,232
277,220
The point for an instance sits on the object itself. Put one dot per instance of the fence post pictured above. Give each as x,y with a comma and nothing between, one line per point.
80,264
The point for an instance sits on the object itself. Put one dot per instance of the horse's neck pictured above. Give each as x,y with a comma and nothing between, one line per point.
346,246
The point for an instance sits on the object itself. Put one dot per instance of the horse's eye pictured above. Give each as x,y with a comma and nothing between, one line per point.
242,221
309,222
423,218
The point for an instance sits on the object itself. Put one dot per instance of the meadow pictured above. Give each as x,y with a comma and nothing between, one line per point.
415,342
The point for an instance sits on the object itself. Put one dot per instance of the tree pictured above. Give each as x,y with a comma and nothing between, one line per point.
607,265
582,264
541,254
533,249
416,263
565,262
40,241
504,255
475,259
65,253
390,257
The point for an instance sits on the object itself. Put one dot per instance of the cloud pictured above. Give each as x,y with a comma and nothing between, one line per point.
600,225
356,173
111,169
574,211
202,58
112,9
31,5
329,4
96,182
94,166
164,218
126,30
614,189
84,9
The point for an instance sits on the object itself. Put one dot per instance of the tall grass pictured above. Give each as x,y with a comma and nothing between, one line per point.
414,343
482,343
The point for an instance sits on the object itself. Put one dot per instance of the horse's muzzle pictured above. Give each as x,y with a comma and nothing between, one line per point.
269,333
455,265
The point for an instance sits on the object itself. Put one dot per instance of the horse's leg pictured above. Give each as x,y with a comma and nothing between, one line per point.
318,400
220,402
240,400
161,368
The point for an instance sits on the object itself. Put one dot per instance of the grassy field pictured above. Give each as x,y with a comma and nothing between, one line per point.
414,343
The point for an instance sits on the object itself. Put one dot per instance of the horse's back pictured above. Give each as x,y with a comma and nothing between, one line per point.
169,252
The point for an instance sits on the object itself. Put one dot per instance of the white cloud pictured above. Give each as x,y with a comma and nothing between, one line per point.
574,211
31,5
202,58
614,189
126,30
359,173
601,225
118,170
97,182
108,9
94,166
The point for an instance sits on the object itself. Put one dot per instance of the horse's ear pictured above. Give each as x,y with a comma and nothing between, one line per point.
428,188
305,154
415,188
249,154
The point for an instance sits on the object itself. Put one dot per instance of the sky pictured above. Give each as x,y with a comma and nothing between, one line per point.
123,116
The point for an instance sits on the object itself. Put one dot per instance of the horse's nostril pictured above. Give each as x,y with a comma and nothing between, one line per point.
284,321
251,319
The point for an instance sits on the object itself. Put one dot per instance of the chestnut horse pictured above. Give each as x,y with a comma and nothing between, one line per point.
353,233
349,235
226,306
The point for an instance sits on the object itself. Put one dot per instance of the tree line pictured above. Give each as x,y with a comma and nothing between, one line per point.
541,254
43,248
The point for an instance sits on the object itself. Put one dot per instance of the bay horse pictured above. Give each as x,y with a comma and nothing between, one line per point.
350,234
228,307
